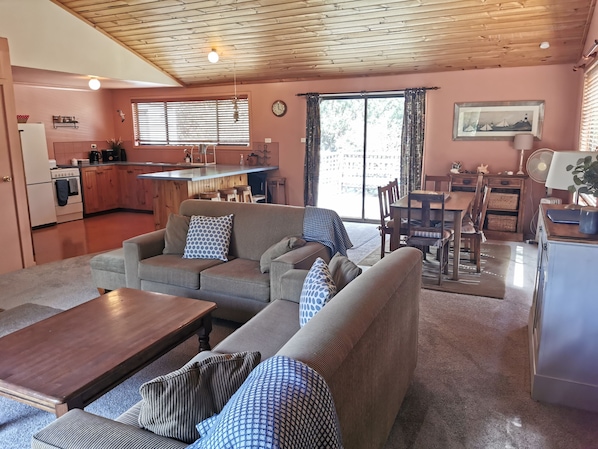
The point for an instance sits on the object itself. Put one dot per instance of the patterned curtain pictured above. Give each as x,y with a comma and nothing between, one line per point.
312,150
412,143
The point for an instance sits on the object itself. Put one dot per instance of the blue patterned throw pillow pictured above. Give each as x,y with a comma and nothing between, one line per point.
318,289
208,237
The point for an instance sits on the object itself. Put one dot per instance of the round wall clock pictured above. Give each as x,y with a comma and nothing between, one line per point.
279,108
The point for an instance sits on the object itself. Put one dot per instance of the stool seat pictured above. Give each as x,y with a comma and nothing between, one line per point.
244,193
213,196
229,194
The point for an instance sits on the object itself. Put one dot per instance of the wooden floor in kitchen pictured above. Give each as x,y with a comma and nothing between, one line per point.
90,235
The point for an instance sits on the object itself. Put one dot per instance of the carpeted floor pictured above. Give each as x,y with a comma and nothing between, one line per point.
471,385
490,282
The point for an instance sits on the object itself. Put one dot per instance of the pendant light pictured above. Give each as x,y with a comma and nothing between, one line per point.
94,84
213,56
235,106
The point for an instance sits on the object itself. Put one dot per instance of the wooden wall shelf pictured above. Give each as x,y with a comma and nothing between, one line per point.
69,121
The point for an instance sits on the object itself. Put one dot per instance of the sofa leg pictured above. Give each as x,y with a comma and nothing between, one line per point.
204,334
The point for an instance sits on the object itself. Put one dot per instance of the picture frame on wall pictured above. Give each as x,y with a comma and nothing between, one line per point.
497,120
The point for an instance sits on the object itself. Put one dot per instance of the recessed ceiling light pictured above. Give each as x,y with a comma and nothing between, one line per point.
544,45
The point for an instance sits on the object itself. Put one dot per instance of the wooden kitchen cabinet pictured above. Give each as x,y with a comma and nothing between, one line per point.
563,318
100,188
506,206
136,193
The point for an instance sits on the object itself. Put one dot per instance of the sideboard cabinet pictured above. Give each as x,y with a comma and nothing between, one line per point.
506,206
563,320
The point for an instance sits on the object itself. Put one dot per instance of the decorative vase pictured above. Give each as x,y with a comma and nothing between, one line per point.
588,220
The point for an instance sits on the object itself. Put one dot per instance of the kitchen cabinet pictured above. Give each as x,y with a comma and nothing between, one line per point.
506,207
137,193
563,319
100,188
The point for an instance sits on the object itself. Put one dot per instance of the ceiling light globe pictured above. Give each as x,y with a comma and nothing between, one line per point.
213,57
94,84
544,45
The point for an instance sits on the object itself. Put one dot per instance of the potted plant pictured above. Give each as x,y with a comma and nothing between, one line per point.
117,146
585,176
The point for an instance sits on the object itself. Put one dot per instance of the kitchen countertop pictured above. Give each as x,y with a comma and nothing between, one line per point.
198,173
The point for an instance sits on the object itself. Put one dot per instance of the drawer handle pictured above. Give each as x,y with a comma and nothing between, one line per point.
504,182
467,181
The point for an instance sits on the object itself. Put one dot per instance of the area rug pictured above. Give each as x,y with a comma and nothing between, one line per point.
489,283
24,315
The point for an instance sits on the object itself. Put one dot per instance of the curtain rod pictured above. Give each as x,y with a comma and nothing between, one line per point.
365,92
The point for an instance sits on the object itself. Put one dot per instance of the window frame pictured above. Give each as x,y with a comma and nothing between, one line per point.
588,127
214,114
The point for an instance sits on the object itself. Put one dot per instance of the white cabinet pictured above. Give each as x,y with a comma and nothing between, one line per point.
563,322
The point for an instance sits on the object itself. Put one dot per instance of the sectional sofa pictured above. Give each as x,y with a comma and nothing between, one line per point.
362,343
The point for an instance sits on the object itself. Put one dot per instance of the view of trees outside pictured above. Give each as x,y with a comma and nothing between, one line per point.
345,125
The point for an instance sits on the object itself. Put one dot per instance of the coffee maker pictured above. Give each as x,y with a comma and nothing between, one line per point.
94,157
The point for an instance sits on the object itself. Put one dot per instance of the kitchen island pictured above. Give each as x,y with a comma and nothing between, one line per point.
171,188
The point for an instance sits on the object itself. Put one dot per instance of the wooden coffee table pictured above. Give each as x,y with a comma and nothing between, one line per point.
72,358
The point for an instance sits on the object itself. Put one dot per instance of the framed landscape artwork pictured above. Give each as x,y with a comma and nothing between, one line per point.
497,120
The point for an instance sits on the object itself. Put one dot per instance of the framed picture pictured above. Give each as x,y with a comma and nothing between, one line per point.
497,120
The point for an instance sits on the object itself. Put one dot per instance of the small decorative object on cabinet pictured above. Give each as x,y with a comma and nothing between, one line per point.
504,216
564,316
65,120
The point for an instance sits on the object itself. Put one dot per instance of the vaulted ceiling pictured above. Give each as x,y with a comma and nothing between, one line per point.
267,40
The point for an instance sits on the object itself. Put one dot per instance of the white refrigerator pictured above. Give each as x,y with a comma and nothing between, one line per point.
40,187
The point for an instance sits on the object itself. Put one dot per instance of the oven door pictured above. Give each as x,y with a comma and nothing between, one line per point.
72,191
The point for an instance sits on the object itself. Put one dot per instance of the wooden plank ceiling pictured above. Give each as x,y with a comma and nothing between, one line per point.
269,40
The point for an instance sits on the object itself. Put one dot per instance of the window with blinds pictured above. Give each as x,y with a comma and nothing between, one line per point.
191,122
588,139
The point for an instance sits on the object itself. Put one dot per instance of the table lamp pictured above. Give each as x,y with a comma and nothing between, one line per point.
523,142
558,177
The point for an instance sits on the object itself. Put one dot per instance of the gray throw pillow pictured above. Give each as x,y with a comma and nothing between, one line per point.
277,250
343,270
174,403
175,235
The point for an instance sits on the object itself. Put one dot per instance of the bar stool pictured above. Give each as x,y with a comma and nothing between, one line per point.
244,194
213,196
278,189
229,194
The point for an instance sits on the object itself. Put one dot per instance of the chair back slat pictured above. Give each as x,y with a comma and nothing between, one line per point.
439,183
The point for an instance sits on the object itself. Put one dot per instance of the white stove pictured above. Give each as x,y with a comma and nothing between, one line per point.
68,199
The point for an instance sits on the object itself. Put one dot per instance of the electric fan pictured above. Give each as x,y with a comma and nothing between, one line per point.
537,168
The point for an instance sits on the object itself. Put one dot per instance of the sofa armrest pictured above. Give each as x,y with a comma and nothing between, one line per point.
302,258
78,429
139,248
291,284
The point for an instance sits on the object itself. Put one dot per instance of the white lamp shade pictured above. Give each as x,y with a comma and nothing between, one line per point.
523,141
213,57
94,84
558,177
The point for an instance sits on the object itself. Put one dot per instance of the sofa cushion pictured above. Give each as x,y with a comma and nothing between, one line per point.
175,236
208,237
283,404
343,271
174,403
318,289
239,277
172,269
277,250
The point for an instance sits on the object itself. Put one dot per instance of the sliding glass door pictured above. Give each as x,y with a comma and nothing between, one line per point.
359,151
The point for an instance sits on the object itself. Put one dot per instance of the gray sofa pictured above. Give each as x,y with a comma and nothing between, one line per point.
238,286
363,343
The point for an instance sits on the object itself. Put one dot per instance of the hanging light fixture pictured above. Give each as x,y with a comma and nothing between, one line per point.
235,106
94,84
213,56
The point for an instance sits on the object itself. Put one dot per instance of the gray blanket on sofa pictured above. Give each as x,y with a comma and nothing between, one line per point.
326,227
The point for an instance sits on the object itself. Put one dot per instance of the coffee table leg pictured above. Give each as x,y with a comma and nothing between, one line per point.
204,333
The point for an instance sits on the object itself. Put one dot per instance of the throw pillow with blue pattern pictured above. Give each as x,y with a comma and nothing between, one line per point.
318,289
208,237
284,403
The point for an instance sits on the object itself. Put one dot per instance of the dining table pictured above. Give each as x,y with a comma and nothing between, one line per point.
455,206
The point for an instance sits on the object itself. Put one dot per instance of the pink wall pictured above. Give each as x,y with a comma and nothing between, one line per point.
558,85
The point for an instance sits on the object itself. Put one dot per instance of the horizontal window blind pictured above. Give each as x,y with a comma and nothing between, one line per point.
191,122
588,139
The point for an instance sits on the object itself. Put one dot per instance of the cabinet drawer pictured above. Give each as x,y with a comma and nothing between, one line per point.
505,183
464,181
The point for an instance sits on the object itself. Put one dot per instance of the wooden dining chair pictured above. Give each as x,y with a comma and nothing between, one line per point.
387,195
438,183
423,233
472,229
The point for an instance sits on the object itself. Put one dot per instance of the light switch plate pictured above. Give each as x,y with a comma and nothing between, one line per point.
267,140
303,140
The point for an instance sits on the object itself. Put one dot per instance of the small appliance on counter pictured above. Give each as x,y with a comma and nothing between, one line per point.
110,155
94,157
